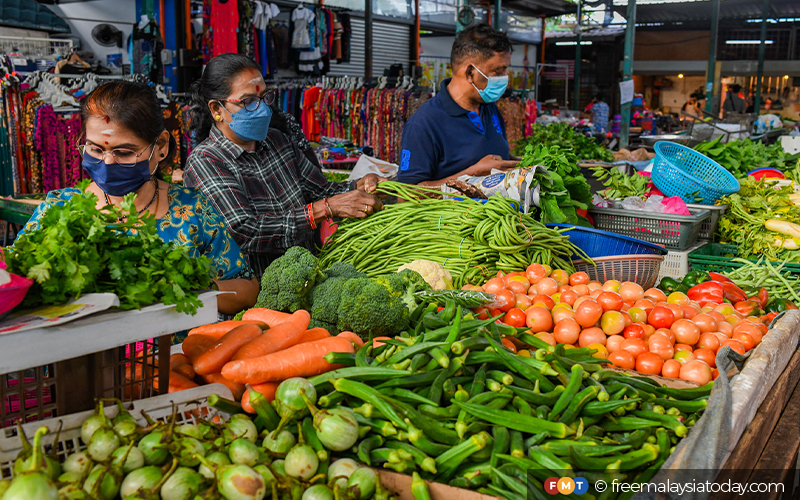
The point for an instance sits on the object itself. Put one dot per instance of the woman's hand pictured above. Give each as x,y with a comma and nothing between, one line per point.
370,182
354,204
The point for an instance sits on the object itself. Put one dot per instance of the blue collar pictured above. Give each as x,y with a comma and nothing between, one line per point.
451,106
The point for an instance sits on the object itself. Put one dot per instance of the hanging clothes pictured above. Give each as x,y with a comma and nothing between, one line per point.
224,26
302,19
145,51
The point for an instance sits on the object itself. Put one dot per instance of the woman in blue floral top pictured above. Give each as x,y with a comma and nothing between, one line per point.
124,144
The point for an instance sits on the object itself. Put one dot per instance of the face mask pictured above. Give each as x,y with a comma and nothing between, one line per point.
251,125
117,180
495,87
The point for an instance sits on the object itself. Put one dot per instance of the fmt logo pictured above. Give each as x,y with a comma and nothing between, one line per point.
566,485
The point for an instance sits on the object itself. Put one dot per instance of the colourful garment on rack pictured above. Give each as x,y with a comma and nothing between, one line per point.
225,25
207,45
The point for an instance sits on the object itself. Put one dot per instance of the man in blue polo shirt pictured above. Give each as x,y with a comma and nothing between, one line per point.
461,131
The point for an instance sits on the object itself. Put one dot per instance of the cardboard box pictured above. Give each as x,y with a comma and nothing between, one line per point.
400,485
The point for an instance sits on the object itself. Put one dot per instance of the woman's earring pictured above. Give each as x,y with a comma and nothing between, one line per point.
217,117
162,156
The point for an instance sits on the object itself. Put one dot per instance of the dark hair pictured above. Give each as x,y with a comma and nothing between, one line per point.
735,88
133,105
482,40
216,83
600,96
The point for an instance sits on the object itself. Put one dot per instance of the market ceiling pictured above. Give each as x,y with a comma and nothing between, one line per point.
672,12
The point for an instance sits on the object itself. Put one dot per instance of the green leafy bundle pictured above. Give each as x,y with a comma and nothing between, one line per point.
564,189
743,223
78,249
561,134
619,185
742,156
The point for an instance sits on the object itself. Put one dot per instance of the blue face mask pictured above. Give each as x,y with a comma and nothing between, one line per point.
495,87
251,125
117,180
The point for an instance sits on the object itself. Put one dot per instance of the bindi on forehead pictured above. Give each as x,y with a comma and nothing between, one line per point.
258,88
108,119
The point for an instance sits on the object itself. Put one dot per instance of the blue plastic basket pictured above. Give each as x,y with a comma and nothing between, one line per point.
682,171
597,243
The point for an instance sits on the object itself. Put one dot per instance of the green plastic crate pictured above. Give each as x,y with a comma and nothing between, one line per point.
718,257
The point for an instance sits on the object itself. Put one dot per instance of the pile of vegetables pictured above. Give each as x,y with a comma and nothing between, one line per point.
78,249
561,134
619,185
471,240
229,460
339,297
762,219
563,189
742,156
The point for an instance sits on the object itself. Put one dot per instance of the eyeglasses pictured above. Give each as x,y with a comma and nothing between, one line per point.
252,103
123,157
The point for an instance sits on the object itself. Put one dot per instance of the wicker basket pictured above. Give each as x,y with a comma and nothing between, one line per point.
641,269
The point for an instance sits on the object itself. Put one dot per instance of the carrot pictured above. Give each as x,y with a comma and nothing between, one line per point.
376,342
217,330
303,360
276,339
267,389
313,334
213,359
185,370
177,360
206,341
268,316
178,382
352,337
216,378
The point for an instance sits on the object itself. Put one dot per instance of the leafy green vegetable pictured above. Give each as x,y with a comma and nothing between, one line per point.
618,184
77,249
563,190
336,176
742,156
561,134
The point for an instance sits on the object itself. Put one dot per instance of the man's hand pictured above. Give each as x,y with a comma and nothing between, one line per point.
369,183
354,204
489,163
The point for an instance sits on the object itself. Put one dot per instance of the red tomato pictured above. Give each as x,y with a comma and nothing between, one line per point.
655,295
614,342
649,363
734,344
562,313
706,355
661,346
627,318
579,278
634,346
667,333
649,330
725,328
494,285
539,319
560,276
591,336
544,299
714,374
661,317
535,273
610,301
581,290
677,311
705,323
645,304
631,292
546,337
567,331
515,317
569,297
745,338
505,300
637,314
516,287
622,359
690,311
696,371
523,301
546,286
564,288
588,313
482,313
633,331
612,322
683,347
708,341
671,369
686,332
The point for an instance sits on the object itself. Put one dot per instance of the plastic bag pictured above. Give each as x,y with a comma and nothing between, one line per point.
601,202
653,204
633,203
675,205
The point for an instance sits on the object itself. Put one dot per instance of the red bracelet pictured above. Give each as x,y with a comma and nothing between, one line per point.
311,220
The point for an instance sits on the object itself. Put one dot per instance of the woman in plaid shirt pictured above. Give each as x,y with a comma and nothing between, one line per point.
271,196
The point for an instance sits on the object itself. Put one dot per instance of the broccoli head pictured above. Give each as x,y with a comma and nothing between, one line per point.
344,270
288,281
403,285
368,306
325,299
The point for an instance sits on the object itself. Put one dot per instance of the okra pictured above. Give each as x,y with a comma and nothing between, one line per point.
359,374
668,421
461,346
362,361
535,342
226,405
381,455
417,379
683,406
572,388
547,398
341,358
517,447
433,322
448,389
419,457
513,484
514,420
382,427
433,429
366,446
500,493
436,412
479,382
331,399
406,396
416,314
468,327
502,441
527,367
264,409
535,439
421,441
435,394
462,451
635,439
461,482
410,352
440,356
628,461
577,403
418,361
522,406
500,376
484,454
690,393
628,424
311,438
401,467
542,411
602,395
370,395
562,448
600,408
550,461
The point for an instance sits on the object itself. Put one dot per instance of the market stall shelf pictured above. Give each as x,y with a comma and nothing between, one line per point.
110,354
